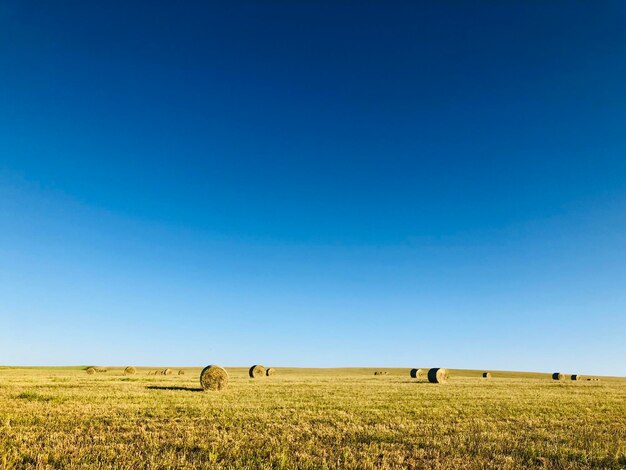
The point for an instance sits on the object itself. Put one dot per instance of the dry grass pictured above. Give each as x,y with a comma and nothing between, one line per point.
309,419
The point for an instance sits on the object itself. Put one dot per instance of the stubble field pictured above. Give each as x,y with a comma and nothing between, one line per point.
308,418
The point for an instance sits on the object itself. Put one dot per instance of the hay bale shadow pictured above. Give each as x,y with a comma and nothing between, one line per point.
178,388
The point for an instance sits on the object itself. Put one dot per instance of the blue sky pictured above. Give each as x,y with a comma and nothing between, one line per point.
314,184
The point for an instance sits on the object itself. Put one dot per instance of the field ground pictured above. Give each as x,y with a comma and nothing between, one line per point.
308,418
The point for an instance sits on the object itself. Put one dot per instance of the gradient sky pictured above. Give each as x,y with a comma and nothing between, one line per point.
314,184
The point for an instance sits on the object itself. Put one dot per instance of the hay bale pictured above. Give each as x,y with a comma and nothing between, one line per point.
381,372
256,371
576,377
90,370
130,370
557,376
417,373
101,369
167,372
437,375
270,371
213,378
181,372
486,375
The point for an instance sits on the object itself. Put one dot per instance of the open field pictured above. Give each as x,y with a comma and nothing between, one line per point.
308,418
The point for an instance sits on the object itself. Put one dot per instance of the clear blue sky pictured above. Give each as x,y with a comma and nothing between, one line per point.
314,184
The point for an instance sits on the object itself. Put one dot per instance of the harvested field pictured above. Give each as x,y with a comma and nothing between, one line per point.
308,418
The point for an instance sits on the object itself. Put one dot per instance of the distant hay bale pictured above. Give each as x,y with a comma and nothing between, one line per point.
270,371
130,370
417,373
256,371
576,377
181,372
557,376
437,375
486,375
381,372
101,369
213,378
167,372
91,370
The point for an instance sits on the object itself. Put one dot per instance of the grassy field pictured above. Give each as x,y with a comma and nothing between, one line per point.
308,418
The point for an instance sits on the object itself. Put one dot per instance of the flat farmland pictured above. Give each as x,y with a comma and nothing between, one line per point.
308,418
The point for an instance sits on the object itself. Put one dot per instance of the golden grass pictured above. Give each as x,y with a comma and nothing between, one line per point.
313,418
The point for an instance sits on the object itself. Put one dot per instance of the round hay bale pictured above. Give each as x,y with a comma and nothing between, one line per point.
181,372
256,371
417,373
90,370
557,376
486,375
437,375
576,377
130,370
381,372
270,371
167,372
213,378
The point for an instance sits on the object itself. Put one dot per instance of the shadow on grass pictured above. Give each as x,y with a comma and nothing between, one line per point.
184,389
